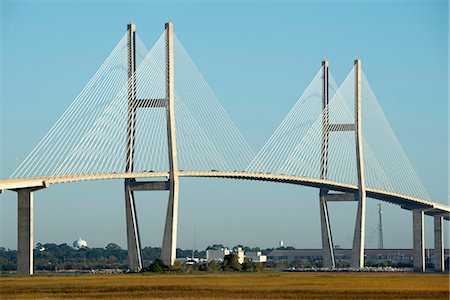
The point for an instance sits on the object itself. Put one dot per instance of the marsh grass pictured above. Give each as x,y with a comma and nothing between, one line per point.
229,286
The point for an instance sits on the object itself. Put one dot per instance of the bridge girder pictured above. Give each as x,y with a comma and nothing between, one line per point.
406,202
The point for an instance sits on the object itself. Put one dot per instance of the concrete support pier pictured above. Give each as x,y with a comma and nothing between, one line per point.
418,241
25,231
438,244
133,237
327,241
360,226
169,246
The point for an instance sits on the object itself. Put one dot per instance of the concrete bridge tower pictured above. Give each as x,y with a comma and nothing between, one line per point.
360,196
168,254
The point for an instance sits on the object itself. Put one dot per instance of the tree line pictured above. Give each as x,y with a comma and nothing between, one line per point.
53,257
230,263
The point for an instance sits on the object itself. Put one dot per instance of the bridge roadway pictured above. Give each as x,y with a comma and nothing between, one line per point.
406,202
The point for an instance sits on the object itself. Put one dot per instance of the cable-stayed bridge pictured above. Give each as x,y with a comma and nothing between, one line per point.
150,118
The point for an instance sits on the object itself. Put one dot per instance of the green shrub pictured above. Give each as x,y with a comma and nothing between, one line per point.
231,263
156,267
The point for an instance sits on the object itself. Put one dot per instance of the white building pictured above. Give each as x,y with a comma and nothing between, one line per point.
190,260
256,257
240,254
78,244
217,255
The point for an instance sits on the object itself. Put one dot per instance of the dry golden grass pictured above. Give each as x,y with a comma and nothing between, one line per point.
229,286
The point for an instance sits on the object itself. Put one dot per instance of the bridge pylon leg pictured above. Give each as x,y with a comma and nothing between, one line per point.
418,241
169,246
359,236
25,232
360,226
439,244
133,237
327,239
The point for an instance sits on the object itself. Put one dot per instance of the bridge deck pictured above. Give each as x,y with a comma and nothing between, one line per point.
406,202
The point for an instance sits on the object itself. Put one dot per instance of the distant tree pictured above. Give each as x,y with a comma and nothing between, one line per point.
151,253
188,269
248,266
112,246
94,253
8,254
231,263
277,264
6,264
213,266
403,264
177,266
267,251
203,267
156,267
186,253
259,267
200,254
251,249
342,264
215,247
286,248
114,253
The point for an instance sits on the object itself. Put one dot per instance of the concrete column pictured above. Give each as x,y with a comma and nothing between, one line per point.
133,237
325,122
360,226
327,240
418,241
25,232
359,237
169,246
439,244
131,122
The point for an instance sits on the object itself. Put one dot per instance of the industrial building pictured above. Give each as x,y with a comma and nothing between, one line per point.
375,255
217,254
256,257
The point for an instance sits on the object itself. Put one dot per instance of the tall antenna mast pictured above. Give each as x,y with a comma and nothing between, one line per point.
380,228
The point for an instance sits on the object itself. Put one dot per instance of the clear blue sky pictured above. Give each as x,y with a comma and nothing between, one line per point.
258,57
